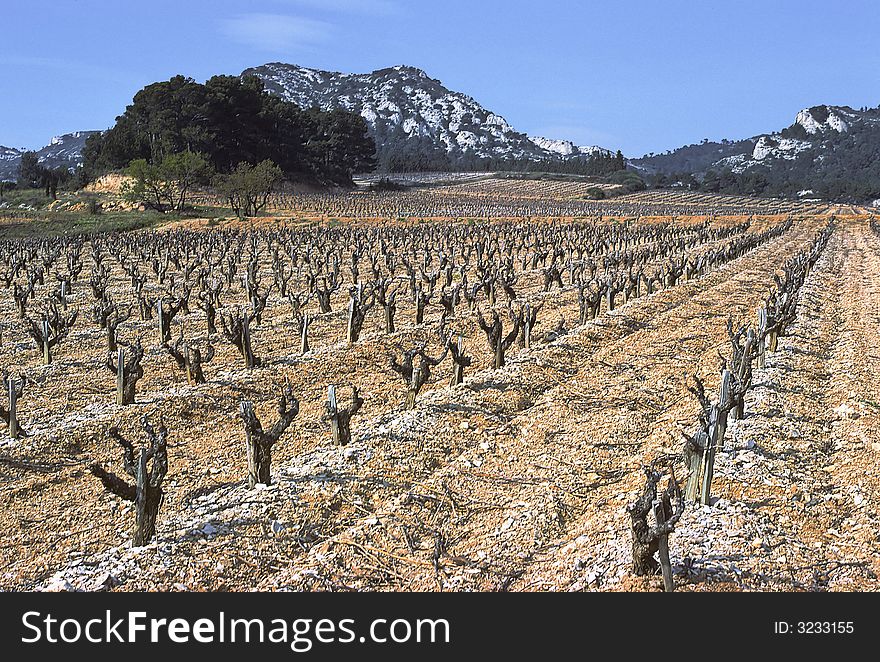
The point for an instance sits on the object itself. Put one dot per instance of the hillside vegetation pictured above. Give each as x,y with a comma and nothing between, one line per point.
829,152
230,121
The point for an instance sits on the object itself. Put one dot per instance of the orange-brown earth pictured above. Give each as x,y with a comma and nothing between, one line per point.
515,480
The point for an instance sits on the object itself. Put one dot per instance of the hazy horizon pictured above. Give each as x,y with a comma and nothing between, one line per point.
640,78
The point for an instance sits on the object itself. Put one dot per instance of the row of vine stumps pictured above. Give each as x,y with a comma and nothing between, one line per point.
452,282
654,514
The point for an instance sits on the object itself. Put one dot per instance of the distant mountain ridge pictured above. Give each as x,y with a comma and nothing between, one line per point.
64,151
829,151
414,119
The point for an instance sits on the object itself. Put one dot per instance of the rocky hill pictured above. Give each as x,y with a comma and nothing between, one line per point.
829,151
63,151
416,122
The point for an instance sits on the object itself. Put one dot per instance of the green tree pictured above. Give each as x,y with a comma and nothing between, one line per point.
340,145
114,149
29,171
232,120
165,187
630,181
711,183
661,180
51,178
248,187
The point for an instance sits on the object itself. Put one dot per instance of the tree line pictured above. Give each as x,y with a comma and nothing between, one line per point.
853,178
836,166
421,154
33,174
229,121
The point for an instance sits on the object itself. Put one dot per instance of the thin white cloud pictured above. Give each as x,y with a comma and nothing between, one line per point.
275,32
369,7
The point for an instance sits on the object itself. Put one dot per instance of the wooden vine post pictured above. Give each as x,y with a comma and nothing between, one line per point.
10,413
120,376
190,359
259,443
415,386
662,507
304,336
743,376
358,307
47,356
648,540
148,471
694,461
762,330
236,329
416,375
529,320
349,333
498,342
250,361
12,423
609,296
194,373
128,371
161,319
776,329
717,428
340,419
459,360
700,449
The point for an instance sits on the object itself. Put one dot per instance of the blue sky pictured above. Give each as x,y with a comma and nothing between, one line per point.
639,75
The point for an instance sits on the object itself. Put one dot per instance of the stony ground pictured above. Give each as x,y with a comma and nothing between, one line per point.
515,480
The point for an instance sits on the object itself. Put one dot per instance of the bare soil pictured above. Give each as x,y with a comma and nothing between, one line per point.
515,480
